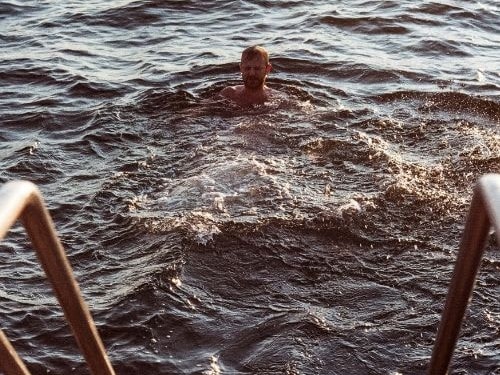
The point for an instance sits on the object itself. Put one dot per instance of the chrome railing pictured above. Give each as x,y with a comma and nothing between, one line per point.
22,200
484,213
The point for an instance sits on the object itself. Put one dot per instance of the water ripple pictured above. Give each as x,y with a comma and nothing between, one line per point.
313,234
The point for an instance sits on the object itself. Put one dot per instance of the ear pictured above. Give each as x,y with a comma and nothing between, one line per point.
269,67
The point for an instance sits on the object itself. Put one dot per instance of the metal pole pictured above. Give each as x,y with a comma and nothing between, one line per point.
486,200
10,362
24,198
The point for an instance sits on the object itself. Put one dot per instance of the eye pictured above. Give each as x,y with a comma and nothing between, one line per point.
250,68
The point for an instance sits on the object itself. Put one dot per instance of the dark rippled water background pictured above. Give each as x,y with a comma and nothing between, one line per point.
313,235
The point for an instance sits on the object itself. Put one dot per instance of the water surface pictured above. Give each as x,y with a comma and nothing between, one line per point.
312,235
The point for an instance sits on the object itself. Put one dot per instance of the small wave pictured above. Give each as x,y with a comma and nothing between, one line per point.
356,147
9,8
32,75
93,90
130,16
366,25
159,100
27,119
438,8
35,169
439,47
45,77
481,16
345,70
425,188
415,19
454,102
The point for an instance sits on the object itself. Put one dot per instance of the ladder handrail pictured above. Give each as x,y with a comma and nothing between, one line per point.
484,213
22,199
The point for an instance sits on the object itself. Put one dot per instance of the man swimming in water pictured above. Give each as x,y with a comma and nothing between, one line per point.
254,68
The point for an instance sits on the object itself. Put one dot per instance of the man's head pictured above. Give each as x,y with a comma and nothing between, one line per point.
254,67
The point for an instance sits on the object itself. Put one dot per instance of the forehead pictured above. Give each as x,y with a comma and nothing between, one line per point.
254,60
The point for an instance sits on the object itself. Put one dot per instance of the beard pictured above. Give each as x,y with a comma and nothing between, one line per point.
253,82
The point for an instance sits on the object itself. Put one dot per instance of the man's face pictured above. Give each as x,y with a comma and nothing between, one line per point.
254,72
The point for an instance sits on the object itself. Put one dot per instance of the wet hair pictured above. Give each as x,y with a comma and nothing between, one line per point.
255,51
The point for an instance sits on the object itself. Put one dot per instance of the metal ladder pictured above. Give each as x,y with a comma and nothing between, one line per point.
484,213
22,199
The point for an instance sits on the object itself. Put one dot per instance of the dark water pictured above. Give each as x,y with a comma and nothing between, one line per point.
312,235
